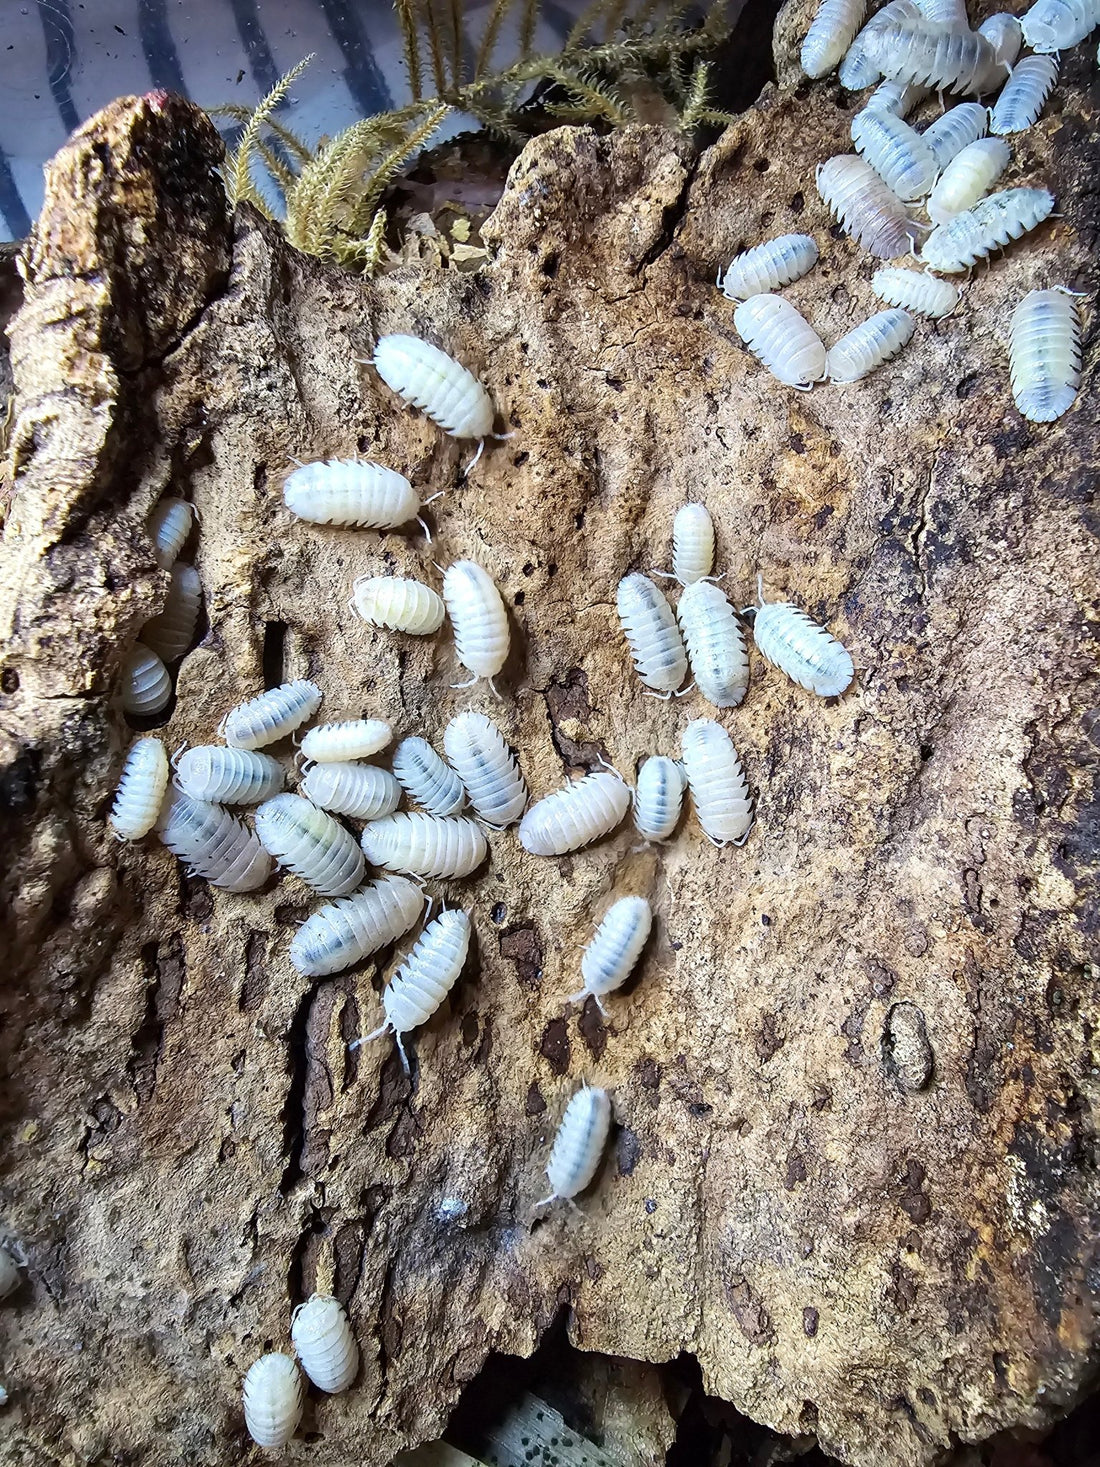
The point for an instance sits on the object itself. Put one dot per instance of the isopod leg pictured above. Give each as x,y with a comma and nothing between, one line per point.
468,683
473,461
401,1052
424,526
374,1034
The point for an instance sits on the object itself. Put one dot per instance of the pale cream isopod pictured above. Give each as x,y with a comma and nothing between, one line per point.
479,619
140,792
146,686
612,954
337,743
361,790
270,716
349,929
310,843
352,493
575,815
272,1399
326,1347
579,1145
399,604
719,790
171,633
169,526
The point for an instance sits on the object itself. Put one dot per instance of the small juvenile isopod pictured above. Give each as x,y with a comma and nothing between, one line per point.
575,815
1004,34
897,152
579,1145
361,790
950,59
915,290
326,1347
140,792
715,644
832,31
272,1399
1024,95
310,843
228,776
425,845
1045,354
954,131
658,797
1056,25
10,1277
611,956
900,98
857,70
427,779
487,768
146,686
428,378
866,209
719,790
270,716
351,492
479,619
213,843
349,929
806,652
424,979
337,743
169,526
990,224
967,178
868,345
782,339
649,625
171,633
398,603
767,266
692,544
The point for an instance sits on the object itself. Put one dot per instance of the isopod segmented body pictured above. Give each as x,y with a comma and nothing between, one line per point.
967,178
361,790
782,339
351,492
1056,25
141,788
339,743
310,843
146,686
1024,95
715,644
612,954
424,979
831,32
228,776
949,59
270,716
692,543
575,815
399,603
169,526
487,768
649,625
867,210
1005,35
579,1144
429,379
425,845
427,779
479,619
868,345
915,290
944,12
272,1399
990,224
719,790
658,797
349,929
325,1344
806,652
767,266
954,131
213,843
897,152
171,633
897,97
857,70
1045,354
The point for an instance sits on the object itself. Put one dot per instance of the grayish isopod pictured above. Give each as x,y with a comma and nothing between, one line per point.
213,844
867,210
487,768
428,378
915,290
171,633
169,526
868,345
427,779
425,845
967,178
1004,34
360,790
991,223
897,152
767,266
479,619
692,544
949,59
1056,25
649,625
715,644
575,815
272,1399
228,776
140,792
944,12
1045,354
719,790
857,70
832,31
310,843
337,743
613,953
424,979
579,1144
954,131
806,652
349,929
398,603
326,1347
270,716
351,492
658,797
781,339
146,686
1024,95
897,97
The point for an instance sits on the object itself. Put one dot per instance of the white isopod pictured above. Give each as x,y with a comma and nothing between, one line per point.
428,378
270,716
351,492
171,633
479,619
487,768
897,97
310,843
425,845
213,843
952,59
1045,354
272,1399
613,953
10,1277
867,210
228,776
349,929
782,339
325,1344
398,603
991,223
649,625
715,644
169,526
361,790
868,345
424,979
575,815
1005,35
967,178
427,779
140,792
658,797
1056,25
857,70
915,290
831,32
767,266
944,12
954,131
897,152
692,544
719,790
806,652
146,686
337,743
579,1145
1024,95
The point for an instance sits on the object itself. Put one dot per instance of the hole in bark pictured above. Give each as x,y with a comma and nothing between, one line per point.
926,752
9,680
274,652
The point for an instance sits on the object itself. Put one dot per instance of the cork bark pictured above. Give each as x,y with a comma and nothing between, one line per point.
854,1085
